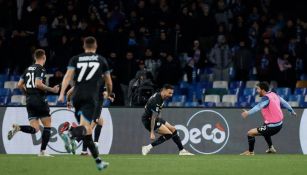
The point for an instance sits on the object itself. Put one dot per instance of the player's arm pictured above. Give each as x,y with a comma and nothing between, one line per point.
21,85
108,82
68,96
66,80
263,103
40,85
286,105
152,125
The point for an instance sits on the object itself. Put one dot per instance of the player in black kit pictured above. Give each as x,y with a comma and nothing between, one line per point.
85,70
32,82
153,123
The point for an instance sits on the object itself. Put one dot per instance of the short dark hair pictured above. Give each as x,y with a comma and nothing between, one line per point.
38,54
168,86
264,86
89,42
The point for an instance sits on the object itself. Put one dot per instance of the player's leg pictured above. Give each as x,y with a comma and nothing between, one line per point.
29,129
165,133
251,141
267,136
46,121
99,123
176,139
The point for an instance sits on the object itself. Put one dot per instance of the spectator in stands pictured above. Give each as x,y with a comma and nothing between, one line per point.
243,62
264,65
170,71
220,57
129,68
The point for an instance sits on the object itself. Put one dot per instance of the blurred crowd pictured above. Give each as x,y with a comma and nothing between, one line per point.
172,40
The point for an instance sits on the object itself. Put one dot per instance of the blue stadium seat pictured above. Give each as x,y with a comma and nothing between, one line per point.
1,84
14,78
209,104
4,100
5,92
234,91
236,84
52,100
297,98
4,77
245,101
300,91
16,91
284,91
191,104
179,98
249,91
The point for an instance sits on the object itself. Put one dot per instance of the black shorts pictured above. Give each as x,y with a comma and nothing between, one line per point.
37,107
147,122
98,110
85,107
266,130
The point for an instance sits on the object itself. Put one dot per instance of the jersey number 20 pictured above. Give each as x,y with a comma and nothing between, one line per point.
84,66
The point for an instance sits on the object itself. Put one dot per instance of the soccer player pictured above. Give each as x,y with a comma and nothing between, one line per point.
270,107
32,83
154,123
104,101
86,70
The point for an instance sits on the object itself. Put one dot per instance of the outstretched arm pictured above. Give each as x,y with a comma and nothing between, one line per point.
285,104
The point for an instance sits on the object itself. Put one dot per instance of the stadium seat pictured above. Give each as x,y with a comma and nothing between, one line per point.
17,91
224,104
10,84
216,91
14,78
175,104
52,100
191,104
234,91
232,99
209,104
273,85
220,84
1,84
300,91
296,98
245,100
236,84
18,99
179,98
249,91
3,100
283,91
4,77
5,92
212,98
251,83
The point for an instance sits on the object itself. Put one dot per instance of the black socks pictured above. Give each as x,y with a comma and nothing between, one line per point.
177,140
161,139
45,137
97,132
27,129
251,143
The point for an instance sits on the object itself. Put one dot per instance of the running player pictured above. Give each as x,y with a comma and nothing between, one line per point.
154,123
32,82
270,107
86,69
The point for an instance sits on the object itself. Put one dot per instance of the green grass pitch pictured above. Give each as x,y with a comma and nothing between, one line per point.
155,165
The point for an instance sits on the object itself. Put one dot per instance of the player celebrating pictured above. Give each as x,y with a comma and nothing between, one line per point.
270,107
86,69
153,122
32,82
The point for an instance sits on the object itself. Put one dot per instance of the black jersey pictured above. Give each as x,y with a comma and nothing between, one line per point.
154,104
89,67
35,71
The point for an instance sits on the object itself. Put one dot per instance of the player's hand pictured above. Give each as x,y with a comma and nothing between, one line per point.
244,114
55,89
61,99
111,97
152,136
294,114
69,105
